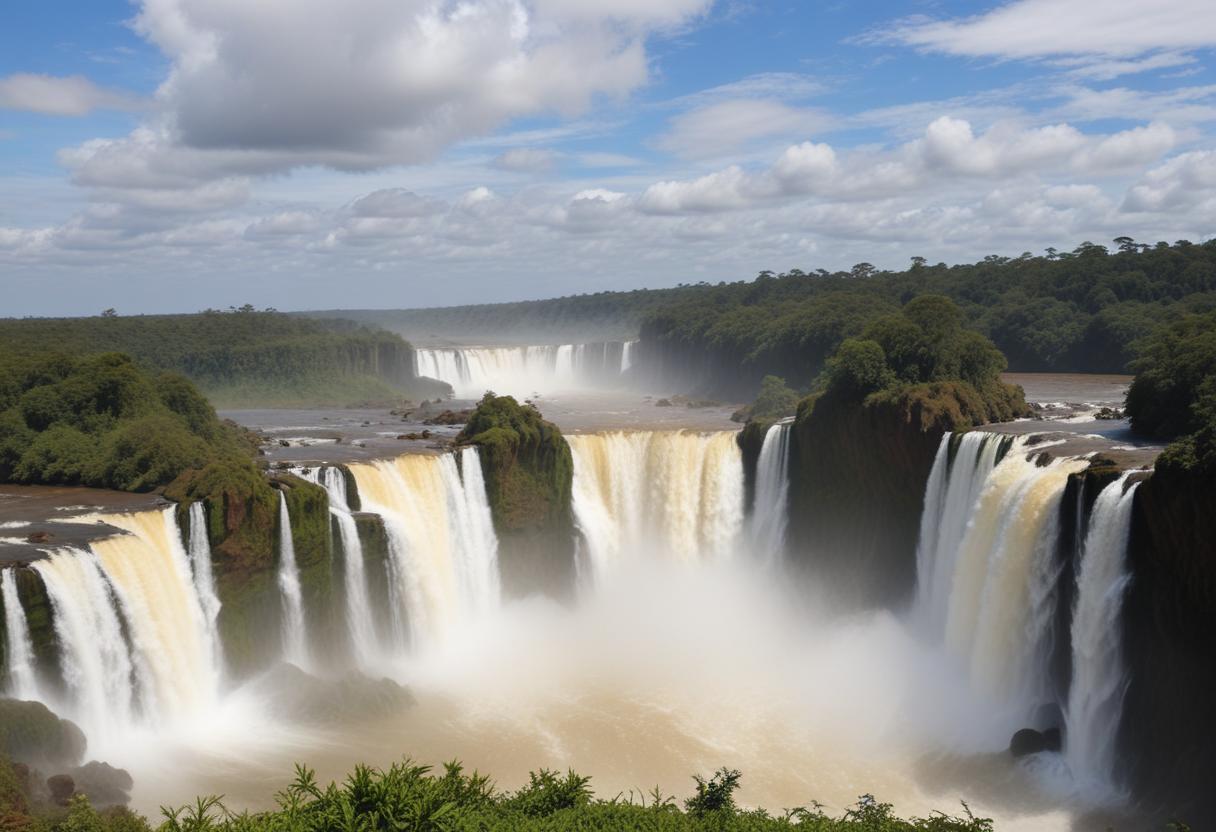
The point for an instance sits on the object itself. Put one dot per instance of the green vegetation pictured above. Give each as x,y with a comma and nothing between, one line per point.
775,401
406,796
100,420
528,468
1174,392
31,732
243,357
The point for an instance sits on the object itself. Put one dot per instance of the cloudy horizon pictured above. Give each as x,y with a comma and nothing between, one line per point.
174,155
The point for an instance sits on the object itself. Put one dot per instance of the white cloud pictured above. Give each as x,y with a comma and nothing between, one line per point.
73,95
1180,184
527,159
726,126
1050,28
395,202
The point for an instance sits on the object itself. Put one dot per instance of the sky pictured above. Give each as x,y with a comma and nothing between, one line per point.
176,155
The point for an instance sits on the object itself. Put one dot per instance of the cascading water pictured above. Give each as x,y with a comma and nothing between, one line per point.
22,682
987,560
295,636
1099,678
97,665
443,553
769,517
960,470
522,371
199,550
360,621
677,494
627,355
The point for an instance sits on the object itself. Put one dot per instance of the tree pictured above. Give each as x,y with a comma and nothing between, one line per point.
109,313
862,270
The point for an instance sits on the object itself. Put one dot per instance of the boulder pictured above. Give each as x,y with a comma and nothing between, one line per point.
31,733
61,788
103,784
1029,741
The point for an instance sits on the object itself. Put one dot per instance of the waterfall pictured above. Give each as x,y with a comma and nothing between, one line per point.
22,681
360,620
960,470
676,494
97,666
772,485
149,571
1099,678
199,550
443,553
521,371
987,560
627,355
295,639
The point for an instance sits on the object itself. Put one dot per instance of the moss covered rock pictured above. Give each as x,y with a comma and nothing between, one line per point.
31,733
751,441
858,468
242,521
40,620
529,475
312,537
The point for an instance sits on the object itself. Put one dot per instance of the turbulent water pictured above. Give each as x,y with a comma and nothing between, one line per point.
647,494
521,371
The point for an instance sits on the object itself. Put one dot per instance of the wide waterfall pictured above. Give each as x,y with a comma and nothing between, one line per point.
135,643
676,494
199,550
360,621
22,682
769,508
442,547
1099,679
521,371
294,627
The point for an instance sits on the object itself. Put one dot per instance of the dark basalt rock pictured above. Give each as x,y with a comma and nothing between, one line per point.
103,784
61,787
31,733
1029,741
450,417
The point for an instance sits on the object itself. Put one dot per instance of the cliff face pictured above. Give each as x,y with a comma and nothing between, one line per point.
751,441
40,619
242,510
1168,735
312,537
529,475
857,482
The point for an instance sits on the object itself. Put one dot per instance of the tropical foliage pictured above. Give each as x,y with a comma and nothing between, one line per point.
406,796
100,420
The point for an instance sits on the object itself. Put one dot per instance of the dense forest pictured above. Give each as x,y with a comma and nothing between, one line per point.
243,356
1077,311
100,420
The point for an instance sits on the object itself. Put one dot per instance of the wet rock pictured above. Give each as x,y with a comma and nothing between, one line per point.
450,417
663,403
31,733
61,788
103,784
1029,741
305,698
40,537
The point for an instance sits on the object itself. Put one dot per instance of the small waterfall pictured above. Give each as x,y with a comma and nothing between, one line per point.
772,486
443,551
295,638
960,470
97,665
359,618
22,681
676,494
199,550
627,355
521,371
1099,678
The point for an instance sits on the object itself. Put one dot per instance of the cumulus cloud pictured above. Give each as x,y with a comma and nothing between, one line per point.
726,126
73,95
1182,183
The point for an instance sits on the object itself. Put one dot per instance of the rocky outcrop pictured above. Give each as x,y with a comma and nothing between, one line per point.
40,619
857,482
529,474
751,441
1168,735
242,511
312,536
373,537
31,733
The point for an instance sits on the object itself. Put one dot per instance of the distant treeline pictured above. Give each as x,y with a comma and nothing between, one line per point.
243,356
1077,311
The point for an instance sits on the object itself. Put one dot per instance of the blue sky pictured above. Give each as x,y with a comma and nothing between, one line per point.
170,155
